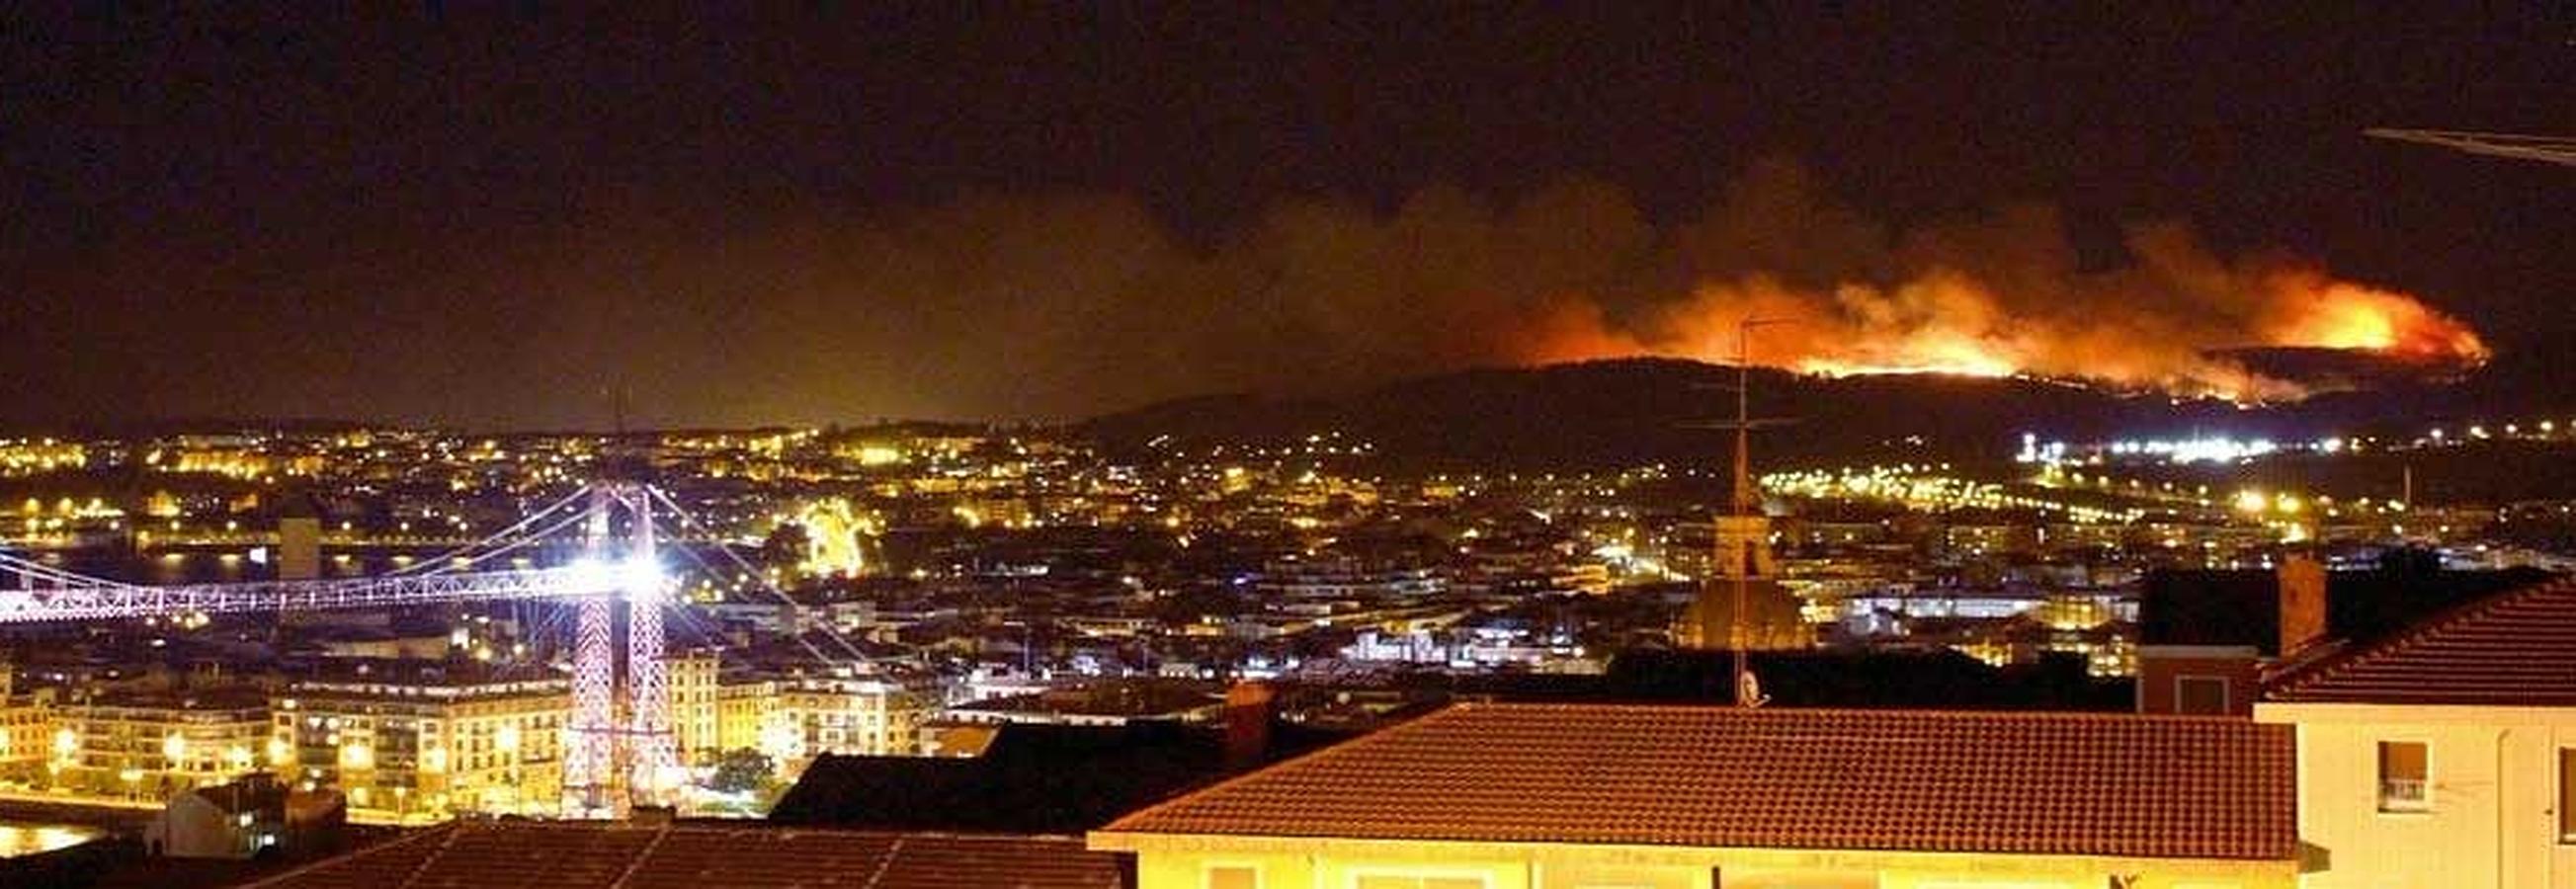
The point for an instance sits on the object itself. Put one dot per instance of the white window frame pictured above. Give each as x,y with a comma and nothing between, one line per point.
2379,779
1208,869
2226,693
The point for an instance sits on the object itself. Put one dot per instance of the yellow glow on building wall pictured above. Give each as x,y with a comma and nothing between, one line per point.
154,747
27,736
749,717
709,716
866,717
428,749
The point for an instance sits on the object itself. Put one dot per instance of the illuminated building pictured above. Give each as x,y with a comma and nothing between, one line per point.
692,683
1345,577
2442,755
748,718
1774,618
246,463
834,533
26,731
1482,796
148,746
866,717
425,743
20,457
710,716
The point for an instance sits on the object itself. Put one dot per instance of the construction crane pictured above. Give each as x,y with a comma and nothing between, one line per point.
619,737
2546,149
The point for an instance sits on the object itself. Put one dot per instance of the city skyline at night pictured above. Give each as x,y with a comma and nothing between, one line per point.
1354,445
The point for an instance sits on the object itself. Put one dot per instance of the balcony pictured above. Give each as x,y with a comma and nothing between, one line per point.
2404,795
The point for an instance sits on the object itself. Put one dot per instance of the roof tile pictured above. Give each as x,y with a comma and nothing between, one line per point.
1778,778
563,855
2510,649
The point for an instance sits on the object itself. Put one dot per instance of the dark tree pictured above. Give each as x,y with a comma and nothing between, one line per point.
741,771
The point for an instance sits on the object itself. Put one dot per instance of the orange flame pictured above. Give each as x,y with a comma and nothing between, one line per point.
2339,315
2120,332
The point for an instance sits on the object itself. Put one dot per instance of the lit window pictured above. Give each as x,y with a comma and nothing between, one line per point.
2403,777
1233,878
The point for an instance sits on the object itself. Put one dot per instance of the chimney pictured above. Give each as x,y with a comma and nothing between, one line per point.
2303,604
1249,707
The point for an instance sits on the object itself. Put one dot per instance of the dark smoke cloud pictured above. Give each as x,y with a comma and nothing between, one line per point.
1061,305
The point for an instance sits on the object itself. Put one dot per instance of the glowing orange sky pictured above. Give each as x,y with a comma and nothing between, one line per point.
1951,322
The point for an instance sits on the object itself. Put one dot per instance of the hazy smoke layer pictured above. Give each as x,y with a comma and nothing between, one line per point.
1060,306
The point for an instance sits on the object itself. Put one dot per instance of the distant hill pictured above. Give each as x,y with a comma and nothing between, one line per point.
1637,411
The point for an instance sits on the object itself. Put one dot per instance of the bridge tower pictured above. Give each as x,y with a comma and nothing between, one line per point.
620,752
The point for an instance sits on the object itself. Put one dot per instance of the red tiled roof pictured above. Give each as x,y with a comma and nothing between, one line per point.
933,861
2513,648
572,855
2072,784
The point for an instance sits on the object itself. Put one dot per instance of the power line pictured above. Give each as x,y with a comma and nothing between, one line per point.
2545,149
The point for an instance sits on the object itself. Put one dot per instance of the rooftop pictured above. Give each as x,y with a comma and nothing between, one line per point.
1030,779
570,855
2069,784
2243,607
2509,649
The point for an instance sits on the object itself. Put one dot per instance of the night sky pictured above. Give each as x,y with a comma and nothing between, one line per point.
492,220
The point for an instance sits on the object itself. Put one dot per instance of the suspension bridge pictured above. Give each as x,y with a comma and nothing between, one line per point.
619,749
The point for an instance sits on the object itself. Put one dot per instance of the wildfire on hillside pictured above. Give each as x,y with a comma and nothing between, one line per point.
2182,331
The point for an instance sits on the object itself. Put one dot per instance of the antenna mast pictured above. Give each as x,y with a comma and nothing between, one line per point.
1746,693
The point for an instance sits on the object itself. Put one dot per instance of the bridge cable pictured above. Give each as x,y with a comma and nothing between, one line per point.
515,527
765,583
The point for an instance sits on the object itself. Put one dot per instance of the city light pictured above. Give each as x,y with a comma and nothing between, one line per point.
1288,446
635,577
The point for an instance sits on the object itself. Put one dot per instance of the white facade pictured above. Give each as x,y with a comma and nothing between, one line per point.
2489,811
